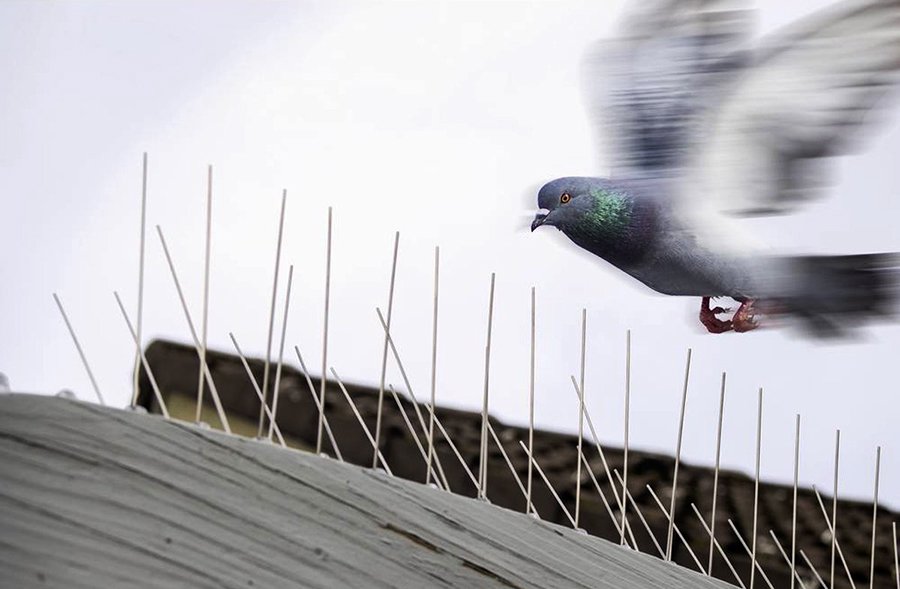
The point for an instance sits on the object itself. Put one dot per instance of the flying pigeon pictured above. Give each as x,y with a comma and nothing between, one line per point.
704,127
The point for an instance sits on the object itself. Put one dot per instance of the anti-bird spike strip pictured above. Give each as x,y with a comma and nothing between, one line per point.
140,293
187,315
265,387
87,367
205,313
277,388
712,520
319,408
430,457
384,354
687,375
325,333
159,397
256,388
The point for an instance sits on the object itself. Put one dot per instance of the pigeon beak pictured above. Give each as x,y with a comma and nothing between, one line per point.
538,221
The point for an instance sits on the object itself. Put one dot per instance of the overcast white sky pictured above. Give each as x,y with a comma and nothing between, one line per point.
435,119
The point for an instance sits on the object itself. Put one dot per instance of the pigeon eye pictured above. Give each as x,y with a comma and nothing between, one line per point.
565,198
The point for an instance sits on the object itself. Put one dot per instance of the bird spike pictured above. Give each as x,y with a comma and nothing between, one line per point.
187,315
482,471
837,544
580,417
87,367
362,424
384,353
712,520
325,334
752,556
434,330
540,472
677,530
506,459
256,388
412,431
409,390
277,388
623,505
718,547
265,387
788,559
793,560
153,385
756,488
205,313
662,552
140,293
687,374
837,460
318,403
529,506
874,517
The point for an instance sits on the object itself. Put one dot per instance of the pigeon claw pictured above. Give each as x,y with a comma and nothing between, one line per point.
744,318
709,319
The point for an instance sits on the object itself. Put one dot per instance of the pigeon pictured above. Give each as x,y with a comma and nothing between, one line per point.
703,127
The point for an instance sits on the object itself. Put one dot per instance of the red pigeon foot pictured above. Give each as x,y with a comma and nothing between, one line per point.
709,320
744,318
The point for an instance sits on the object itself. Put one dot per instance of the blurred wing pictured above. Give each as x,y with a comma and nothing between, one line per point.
812,92
646,90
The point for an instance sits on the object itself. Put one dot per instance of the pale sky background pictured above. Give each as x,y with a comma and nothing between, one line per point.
435,119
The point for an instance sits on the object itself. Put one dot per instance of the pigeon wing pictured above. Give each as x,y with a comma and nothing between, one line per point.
812,92
647,90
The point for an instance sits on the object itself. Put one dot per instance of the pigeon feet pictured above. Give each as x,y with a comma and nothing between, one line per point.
709,319
744,318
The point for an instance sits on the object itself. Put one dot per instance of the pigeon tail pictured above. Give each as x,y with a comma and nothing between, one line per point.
838,292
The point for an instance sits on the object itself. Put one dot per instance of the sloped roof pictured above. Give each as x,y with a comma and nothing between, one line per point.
98,497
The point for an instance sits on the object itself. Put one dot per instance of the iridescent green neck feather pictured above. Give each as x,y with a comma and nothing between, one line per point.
609,216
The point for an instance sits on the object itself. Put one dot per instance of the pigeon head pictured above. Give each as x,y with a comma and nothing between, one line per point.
589,208
566,200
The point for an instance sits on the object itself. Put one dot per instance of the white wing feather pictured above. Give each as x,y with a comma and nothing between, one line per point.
812,92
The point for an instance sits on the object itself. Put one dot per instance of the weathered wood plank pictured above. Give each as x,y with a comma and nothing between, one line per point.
97,497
